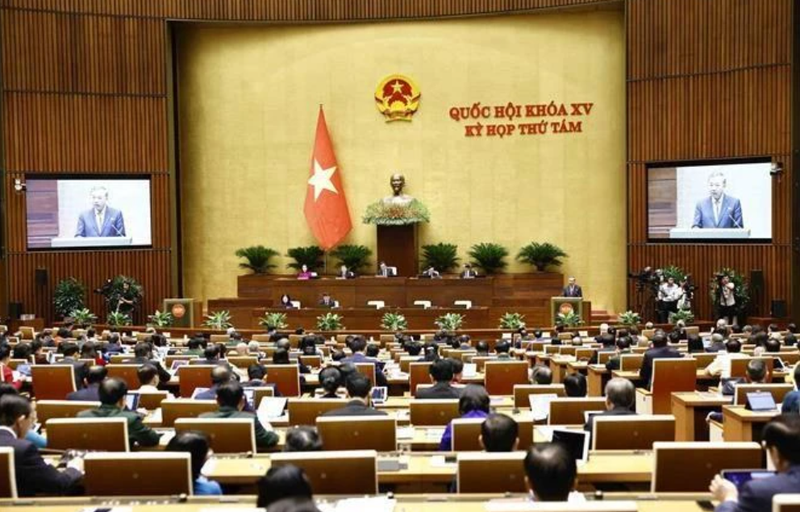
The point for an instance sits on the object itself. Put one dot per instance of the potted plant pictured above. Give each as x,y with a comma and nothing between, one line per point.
450,322
273,321
160,319
440,256
330,322
394,322
257,258
354,257
83,317
117,319
685,315
68,296
310,256
569,319
513,321
489,257
541,255
114,290
220,320
629,319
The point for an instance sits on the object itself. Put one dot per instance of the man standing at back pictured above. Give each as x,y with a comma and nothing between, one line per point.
112,393
658,350
572,289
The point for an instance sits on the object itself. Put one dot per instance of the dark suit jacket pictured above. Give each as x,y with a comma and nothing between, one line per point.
87,394
113,224
730,214
163,375
355,408
616,411
438,390
595,357
756,495
358,357
613,363
79,369
34,475
646,373
570,291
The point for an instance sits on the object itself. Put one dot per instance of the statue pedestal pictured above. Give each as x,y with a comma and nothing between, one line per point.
397,246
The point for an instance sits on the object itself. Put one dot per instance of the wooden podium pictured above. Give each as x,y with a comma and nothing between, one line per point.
185,312
576,304
397,246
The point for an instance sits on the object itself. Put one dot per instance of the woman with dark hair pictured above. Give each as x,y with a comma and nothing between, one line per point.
282,482
302,439
330,379
286,302
474,403
196,444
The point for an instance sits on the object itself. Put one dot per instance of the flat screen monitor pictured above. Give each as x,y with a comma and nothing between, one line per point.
93,212
729,202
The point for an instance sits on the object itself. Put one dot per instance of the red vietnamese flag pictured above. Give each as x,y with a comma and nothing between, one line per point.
326,206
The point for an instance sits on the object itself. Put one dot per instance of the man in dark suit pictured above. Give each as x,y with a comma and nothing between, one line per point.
781,438
326,301
620,397
358,345
34,475
719,210
659,349
143,354
94,377
219,375
101,219
607,341
358,390
623,347
344,273
112,405
231,401
70,351
441,372
572,289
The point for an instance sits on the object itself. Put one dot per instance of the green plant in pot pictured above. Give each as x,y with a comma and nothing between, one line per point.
68,296
684,315
117,319
220,320
122,287
542,255
513,321
630,319
569,319
443,257
330,322
257,258
394,322
160,319
489,257
449,322
354,257
273,321
83,317
310,256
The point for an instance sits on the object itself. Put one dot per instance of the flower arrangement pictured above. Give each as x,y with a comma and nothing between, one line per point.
391,214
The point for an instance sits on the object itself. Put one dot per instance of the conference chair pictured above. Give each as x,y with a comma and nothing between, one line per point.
191,377
26,333
52,381
152,400
480,361
225,435
611,432
703,360
630,362
14,363
49,409
502,376
346,472
367,369
669,376
739,366
418,373
120,358
126,372
778,391
490,472
261,392
569,410
242,362
690,466
311,361
219,338
172,409
177,357
433,412
467,431
377,433
100,434
304,411
138,474
8,477
286,378
786,503
604,356
523,391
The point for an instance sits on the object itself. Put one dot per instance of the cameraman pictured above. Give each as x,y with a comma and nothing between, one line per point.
726,299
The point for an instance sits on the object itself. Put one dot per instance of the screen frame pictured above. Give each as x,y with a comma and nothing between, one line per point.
698,163
90,176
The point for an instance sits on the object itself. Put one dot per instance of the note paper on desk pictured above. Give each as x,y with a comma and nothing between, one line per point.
377,504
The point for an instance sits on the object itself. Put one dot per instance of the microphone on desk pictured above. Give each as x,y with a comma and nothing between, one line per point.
735,222
119,233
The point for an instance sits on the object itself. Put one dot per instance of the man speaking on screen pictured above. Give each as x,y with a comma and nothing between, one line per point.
719,210
100,220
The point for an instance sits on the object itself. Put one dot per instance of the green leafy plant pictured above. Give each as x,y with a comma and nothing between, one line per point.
569,319
310,256
257,258
391,214
83,317
442,257
630,319
741,291
354,257
675,272
330,322
512,321
160,319
682,314
450,321
117,319
541,255
489,257
115,290
273,321
220,320
68,296
394,322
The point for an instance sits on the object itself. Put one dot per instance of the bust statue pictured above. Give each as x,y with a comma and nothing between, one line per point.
398,182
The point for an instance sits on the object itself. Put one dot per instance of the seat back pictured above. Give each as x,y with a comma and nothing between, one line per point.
347,472
152,401
311,361
631,432
739,366
377,433
490,472
261,392
52,381
433,412
689,467
194,376
502,376
304,411
286,378
703,360
178,357
569,411
630,362
242,362
103,434
671,376
467,431
480,361
172,409
225,435
523,391
8,476
786,503
418,373
126,372
47,409
778,391
367,369
145,473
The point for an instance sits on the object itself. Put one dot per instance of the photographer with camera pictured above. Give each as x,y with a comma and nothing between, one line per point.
668,295
726,298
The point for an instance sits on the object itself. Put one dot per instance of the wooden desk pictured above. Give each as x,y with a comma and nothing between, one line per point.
739,424
597,375
690,411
